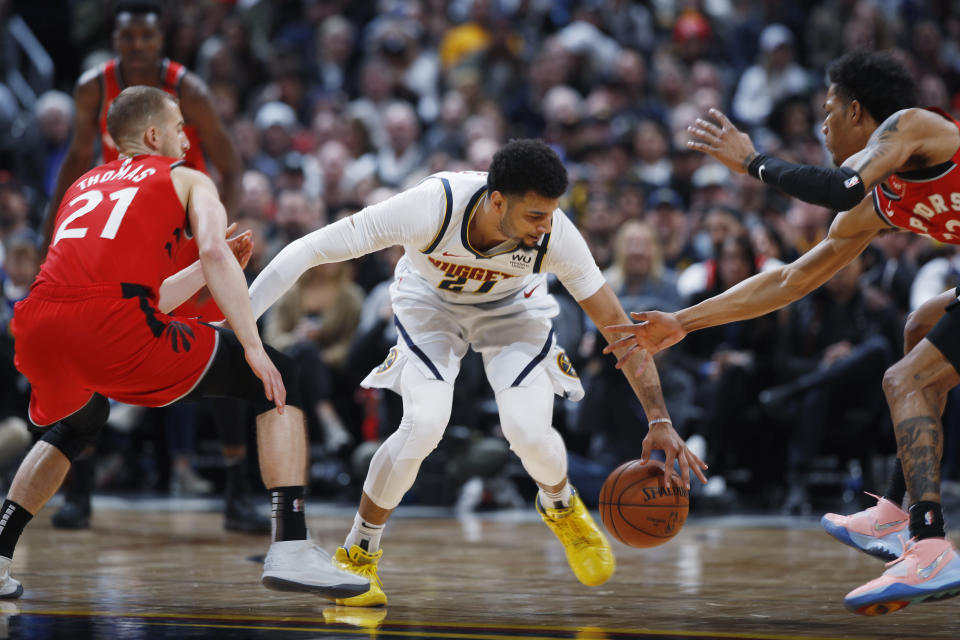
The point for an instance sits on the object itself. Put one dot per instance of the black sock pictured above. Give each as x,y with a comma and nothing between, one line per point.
926,520
13,518
236,480
898,486
289,521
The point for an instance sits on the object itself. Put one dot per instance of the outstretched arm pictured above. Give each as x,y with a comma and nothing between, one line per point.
898,138
604,309
767,291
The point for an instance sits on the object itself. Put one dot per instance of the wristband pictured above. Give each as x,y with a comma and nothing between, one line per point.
650,423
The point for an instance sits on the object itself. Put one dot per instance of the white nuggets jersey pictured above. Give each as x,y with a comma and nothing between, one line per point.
463,275
447,296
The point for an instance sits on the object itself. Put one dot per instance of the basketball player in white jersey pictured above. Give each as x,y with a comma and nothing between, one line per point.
478,247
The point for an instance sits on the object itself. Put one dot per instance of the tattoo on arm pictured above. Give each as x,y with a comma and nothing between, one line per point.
920,448
879,146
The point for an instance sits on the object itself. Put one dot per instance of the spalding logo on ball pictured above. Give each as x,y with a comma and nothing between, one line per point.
637,509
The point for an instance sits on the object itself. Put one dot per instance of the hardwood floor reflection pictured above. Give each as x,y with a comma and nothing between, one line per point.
160,574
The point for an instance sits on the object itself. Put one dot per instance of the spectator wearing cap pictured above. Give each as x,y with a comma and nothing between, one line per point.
712,185
772,78
666,213
276,124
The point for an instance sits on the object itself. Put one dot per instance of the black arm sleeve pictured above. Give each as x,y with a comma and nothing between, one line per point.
838,189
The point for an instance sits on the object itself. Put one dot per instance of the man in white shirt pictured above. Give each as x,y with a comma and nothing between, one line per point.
477,248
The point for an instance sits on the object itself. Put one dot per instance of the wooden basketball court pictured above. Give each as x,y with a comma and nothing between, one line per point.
149,572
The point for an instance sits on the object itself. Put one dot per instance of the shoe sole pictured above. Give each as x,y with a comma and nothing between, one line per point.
895,597
841,534
341,591
14,594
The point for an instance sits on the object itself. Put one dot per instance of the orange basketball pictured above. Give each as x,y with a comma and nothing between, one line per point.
637,509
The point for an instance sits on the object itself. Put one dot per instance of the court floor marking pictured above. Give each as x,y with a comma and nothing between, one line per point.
154,618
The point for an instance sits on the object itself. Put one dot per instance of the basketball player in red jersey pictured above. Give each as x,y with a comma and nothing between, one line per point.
138,41
909,168
94,326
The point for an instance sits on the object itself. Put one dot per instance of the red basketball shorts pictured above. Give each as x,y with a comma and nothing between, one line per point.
72,342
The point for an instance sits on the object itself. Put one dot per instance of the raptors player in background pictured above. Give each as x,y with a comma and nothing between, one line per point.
95,326
906,178
138,41
477,250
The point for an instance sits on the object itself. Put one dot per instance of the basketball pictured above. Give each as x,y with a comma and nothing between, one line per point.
637,509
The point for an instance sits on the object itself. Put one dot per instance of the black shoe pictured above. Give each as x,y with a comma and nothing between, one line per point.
72,515
240,516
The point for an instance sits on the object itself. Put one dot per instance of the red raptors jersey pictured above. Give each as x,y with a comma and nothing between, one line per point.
926,201
120,222
171,75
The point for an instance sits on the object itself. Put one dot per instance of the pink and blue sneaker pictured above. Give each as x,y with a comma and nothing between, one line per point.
878,531
928,570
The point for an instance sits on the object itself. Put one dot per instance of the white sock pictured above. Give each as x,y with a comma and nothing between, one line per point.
556,499
364,535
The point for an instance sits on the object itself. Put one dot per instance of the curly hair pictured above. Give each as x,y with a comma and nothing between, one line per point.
877,80
526,165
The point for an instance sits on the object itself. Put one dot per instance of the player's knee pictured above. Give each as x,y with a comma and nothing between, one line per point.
426,431
71,440
524,436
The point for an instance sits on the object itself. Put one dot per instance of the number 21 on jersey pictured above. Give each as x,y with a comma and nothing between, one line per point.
89,201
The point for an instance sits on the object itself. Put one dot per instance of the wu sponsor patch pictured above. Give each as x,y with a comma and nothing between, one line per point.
564,364
389,360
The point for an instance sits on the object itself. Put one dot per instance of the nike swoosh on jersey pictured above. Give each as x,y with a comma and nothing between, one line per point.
527,294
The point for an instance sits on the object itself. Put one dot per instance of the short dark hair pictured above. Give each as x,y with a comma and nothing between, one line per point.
137,7
525,165
131,111
877,80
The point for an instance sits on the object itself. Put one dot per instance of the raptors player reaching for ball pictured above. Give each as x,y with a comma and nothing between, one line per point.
95,326
477,248
906,178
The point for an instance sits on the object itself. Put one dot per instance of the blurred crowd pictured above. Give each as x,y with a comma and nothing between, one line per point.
335,104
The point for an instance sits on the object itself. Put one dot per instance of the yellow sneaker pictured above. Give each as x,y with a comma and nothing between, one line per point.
588,551
363,564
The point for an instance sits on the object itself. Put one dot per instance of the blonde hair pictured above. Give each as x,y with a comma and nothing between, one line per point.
133,110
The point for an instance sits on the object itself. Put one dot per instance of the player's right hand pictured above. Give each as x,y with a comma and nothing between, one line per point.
654,331
264,369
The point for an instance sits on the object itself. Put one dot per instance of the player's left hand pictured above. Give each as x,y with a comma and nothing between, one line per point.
664,437
241,245
654,331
